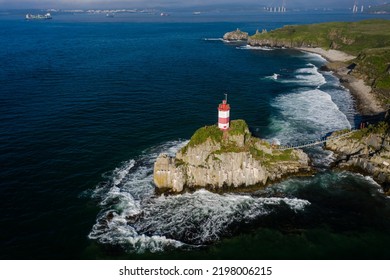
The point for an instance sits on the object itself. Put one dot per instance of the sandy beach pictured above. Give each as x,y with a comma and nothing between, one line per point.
367,103
330,55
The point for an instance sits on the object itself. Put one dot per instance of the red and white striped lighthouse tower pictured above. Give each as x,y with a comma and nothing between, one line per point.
224,115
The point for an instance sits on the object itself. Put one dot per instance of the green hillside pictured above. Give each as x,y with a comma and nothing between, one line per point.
369,40
351,37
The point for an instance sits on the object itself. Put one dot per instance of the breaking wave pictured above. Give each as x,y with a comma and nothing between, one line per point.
134,217
307,76
249,47
307,114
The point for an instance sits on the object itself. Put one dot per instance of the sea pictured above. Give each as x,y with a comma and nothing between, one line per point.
87,103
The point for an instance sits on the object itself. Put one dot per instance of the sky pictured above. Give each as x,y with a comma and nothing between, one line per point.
24,4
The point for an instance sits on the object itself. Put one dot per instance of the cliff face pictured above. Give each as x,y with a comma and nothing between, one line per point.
237,159
368,150
281,43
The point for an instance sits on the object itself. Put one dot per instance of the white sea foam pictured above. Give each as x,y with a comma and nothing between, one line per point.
134,217
249,47
203,217
307,76
315,57
306,115
120,173
373,182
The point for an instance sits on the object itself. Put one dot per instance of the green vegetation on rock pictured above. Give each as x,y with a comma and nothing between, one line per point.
207,132
369,40
259,149
350,37
373,65
237,127
380,129
273,157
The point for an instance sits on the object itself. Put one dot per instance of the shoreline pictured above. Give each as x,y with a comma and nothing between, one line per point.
366,102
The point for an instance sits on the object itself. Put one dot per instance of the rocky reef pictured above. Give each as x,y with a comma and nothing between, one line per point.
236,35
216,160
366,150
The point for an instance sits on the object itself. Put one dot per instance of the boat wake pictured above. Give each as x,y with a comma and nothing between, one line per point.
274,77
214,39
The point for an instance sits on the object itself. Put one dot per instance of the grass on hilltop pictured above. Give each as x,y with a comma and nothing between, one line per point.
369,40
351,37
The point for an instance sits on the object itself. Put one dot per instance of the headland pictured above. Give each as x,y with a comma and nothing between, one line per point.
358,53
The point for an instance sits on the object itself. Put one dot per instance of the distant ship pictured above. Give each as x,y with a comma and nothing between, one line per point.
32,17
110,15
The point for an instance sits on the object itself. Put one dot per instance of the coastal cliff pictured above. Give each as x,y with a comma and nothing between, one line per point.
236,159
366,150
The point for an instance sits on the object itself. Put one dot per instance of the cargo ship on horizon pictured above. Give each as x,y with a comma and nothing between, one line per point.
35,17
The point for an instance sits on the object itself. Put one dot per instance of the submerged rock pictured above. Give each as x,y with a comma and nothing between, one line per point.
232,159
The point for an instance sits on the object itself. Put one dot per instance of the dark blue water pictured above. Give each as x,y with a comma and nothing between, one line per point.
86,106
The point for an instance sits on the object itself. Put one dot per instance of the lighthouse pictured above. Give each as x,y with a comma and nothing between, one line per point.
224,115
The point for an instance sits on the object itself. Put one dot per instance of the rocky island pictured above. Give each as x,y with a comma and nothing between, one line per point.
236,35
233,158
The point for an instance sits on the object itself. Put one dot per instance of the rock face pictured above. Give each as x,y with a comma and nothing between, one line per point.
237,35
280,43
235,159
367,149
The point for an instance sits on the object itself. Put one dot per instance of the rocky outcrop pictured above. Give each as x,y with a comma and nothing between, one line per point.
366,150
235,159
280,43
237,35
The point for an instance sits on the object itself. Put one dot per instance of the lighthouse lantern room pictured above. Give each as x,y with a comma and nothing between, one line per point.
224,115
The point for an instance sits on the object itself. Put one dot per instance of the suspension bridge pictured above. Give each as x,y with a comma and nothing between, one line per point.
315,142
360,122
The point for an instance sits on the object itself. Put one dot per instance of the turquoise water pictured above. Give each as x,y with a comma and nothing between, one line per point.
87,105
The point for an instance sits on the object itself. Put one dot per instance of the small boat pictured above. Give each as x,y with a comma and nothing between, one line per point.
35,17
110,15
